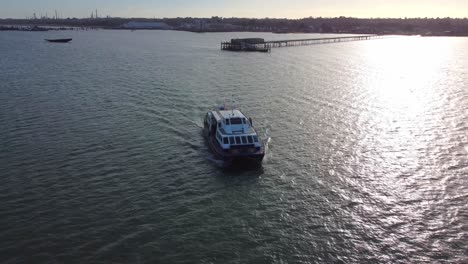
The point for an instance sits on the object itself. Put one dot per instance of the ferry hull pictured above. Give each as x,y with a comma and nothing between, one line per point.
240,158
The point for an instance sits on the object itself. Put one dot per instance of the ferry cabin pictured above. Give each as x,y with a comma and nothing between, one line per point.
232,131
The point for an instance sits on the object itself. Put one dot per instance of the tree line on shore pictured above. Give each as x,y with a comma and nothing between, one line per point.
421,26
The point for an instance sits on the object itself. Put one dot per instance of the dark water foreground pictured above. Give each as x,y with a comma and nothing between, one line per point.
102,158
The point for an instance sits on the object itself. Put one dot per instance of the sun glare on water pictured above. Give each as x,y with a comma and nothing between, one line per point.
406,69
404,83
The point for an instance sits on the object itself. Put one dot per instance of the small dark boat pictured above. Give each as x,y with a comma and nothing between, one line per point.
59,40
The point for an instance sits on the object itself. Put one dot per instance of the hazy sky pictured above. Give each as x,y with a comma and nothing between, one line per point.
237,8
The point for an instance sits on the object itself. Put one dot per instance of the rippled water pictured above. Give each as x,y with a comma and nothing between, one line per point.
103,159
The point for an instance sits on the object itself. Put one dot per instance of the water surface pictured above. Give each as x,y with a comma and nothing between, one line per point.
103,159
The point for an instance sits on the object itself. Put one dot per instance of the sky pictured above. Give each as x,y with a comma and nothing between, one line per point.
236,8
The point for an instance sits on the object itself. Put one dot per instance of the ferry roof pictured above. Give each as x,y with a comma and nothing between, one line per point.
223,114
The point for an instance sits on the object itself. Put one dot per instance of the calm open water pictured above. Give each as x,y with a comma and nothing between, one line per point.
102,157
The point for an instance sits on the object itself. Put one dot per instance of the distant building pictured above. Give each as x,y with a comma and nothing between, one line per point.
146,25
221,27
200,25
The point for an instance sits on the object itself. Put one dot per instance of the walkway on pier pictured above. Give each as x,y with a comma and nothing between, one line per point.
301,42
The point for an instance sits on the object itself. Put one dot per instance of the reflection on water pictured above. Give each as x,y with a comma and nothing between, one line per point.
103,157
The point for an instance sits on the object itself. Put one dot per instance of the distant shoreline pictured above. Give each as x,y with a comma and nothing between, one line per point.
43,29
448,27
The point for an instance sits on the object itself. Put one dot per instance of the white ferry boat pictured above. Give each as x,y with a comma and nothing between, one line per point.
232,137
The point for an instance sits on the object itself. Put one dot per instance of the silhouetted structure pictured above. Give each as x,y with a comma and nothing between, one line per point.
259,44
302,42
246,44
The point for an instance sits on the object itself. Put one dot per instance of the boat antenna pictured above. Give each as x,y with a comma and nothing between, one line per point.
232,104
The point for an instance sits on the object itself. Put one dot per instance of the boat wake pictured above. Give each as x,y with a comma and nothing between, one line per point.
198,122
266,143
217,162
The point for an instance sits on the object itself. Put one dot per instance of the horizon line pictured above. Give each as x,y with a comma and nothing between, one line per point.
225,17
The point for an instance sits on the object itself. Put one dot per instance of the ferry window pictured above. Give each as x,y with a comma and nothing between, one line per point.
231,141
219,125
243,120
238,140
228,122
225,141
236,121
250,139
255,138
244,139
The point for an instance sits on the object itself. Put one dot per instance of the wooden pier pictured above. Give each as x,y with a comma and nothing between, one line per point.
302,42
238,44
